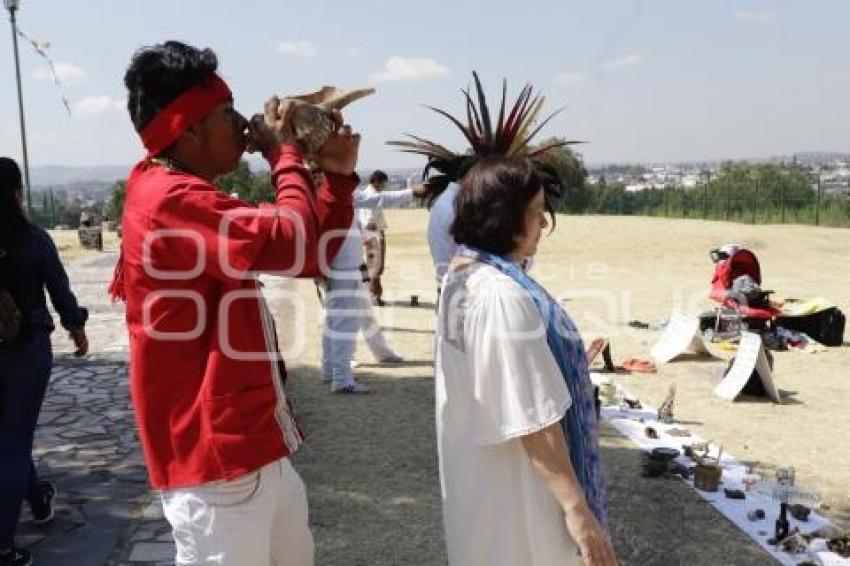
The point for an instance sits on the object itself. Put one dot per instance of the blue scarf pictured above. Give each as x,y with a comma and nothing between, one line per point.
580,425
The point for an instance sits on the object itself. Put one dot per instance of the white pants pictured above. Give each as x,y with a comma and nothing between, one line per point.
348,310
258,519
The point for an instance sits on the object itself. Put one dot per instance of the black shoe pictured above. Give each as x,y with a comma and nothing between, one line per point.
15,557
41,503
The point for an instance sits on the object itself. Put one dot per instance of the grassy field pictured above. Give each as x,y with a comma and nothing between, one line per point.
68,244
370,462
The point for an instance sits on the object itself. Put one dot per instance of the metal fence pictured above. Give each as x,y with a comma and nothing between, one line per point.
750,206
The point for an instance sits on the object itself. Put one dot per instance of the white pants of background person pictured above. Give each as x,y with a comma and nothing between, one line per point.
258,519
348,305
348,310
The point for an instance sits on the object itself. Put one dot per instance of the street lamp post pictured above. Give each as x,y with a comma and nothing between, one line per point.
12,6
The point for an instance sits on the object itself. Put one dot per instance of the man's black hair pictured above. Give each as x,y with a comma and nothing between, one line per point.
160,73
378,177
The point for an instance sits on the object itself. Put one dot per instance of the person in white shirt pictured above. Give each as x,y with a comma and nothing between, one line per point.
374,225
516,488
348,309
440,240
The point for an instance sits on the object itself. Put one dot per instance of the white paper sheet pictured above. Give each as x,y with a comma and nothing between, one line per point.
750,356
681,335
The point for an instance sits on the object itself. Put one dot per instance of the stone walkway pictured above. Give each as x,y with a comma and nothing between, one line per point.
86,443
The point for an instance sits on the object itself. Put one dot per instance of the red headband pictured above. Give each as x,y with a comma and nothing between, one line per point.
184,112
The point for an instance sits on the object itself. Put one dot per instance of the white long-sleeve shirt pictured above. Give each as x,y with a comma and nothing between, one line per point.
373,215
350,255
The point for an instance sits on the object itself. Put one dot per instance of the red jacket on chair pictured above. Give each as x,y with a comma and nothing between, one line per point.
741,262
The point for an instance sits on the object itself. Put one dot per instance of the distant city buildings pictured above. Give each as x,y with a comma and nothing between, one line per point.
835,180
639,178
833,170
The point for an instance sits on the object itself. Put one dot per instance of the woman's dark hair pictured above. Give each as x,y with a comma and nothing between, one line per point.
490,206
160,73
13,222
378,177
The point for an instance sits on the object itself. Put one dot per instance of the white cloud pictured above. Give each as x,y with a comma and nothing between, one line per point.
99,104
296,48
68,73
569,78
625,61
414,69
353,51
762,16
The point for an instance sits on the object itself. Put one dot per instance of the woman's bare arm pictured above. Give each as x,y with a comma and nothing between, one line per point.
547,449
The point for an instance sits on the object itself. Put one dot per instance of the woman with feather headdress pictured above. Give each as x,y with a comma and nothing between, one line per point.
517,430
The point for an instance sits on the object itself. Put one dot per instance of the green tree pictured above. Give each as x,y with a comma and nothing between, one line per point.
115,204
239,181
248,186
261,189
575,195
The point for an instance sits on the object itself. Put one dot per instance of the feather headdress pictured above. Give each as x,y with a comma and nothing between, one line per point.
510,135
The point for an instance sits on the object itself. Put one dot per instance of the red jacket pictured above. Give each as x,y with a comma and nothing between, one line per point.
208,398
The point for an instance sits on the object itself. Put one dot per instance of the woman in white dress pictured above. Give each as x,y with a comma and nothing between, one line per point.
516,425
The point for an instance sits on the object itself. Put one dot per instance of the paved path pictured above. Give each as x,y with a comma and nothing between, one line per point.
87,444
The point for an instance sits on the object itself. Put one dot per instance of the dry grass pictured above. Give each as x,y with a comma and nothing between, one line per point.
70,249
370,463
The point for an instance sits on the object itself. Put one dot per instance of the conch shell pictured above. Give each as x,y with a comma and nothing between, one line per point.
313,124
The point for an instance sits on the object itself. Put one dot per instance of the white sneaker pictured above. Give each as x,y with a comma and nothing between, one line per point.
337,375
352,388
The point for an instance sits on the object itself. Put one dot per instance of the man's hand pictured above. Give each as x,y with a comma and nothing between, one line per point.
339,154
274,125
596,549
419,190
81,341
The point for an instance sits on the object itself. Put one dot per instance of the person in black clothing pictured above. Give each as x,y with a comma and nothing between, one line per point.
29,263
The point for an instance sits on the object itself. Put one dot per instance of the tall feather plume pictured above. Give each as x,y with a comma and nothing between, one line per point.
515,128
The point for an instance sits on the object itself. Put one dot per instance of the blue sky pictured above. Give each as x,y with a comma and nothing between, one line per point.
655,80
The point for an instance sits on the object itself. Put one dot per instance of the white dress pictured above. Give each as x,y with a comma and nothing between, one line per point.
496,380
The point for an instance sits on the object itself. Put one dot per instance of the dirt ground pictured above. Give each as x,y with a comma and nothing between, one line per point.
68,244
370,462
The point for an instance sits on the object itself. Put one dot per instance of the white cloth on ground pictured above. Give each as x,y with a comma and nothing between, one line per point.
496,380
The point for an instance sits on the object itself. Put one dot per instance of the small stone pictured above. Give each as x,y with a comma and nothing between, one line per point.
152,552
83,431
152,511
